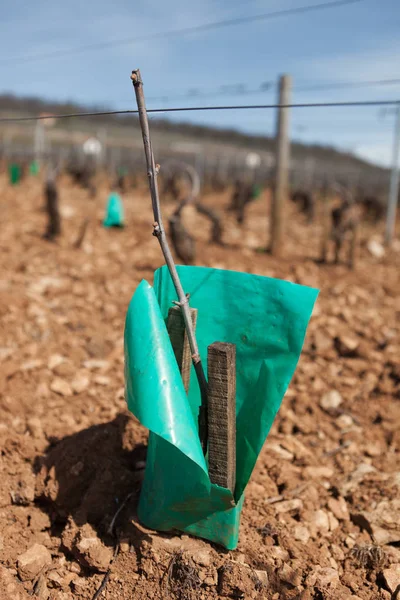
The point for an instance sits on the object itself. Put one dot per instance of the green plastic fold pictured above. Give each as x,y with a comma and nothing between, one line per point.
114,211
14,173
267,320
34,168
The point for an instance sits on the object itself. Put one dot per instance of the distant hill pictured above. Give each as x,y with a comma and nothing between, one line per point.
120,127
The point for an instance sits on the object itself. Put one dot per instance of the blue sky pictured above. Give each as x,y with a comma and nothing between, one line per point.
351,43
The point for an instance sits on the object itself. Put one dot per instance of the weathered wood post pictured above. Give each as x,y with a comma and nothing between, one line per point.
281,166
222,414
394,183
180,342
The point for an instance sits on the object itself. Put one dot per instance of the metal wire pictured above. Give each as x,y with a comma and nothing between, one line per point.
234,89
206,108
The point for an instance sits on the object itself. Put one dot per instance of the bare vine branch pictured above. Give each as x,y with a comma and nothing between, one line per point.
159,232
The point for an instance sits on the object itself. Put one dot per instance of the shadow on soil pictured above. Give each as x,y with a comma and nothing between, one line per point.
88,475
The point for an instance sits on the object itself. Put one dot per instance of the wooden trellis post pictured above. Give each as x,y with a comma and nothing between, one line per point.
281,168
221,413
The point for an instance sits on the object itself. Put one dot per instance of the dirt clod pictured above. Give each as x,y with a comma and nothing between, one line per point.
33,561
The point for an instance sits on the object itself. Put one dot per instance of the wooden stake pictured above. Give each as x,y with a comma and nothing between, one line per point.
281,168
222,414
180,342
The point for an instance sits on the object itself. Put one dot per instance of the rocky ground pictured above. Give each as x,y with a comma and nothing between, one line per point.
321,519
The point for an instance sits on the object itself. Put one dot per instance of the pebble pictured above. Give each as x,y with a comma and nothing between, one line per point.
80,384
333,522
375,248
344,421
323,577
281,452
31,365
392,577
339,508
346,346
94,364
60,386
301,534
331,400
90,551
288,505
383,521
289,575
34,426
320,521
54,361
33,561
319,472
102,380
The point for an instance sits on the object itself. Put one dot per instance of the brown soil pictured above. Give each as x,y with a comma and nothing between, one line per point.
71,453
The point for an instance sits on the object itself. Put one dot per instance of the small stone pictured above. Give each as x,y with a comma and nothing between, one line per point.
211,579
319,472
102,380
124,545
278,553
322,341
281,452
346,346
54,361
120,395
323,577
263,577
33,561
90,551
288,506
289,575
392,577
383,522
78,584
333,522
60,386
373,449
355,478
65,369
320,521
331,400
24,494
350,543
41,590
375,248
339,508
34,426
94,364
55,580
75,567
39,520
240,558
31,365
80,384
301,534
201,557
344,422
